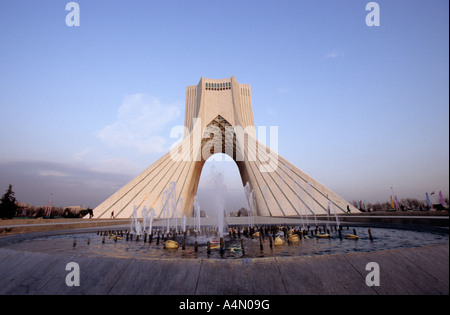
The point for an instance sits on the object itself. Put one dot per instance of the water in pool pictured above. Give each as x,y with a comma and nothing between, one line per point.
91,244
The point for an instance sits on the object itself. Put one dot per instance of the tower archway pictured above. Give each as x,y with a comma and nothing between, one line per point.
220,168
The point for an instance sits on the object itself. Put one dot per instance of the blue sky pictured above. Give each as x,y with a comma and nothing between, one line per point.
85,109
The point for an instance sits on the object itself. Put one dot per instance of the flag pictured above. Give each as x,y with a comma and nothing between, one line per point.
428,200
392,203
441,199
396,202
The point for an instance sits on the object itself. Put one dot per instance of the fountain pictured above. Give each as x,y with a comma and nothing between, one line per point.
135,225
169,203
285,239
138,228
302,198
144,214
247,190
197,213
219,188
178,209
151,215
196,239
251,200
312,201
299,199
184,223
300,211
133,221
328,213
252,208
335,216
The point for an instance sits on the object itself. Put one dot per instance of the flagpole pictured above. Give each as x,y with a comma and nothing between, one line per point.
392,189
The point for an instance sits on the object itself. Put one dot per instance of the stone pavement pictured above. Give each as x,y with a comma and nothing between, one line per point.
412,271
21,226
422,270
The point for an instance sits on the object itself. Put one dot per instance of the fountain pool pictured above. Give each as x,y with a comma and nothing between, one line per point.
97,244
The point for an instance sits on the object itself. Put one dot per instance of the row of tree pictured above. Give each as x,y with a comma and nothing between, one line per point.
405,204
8,204
10,207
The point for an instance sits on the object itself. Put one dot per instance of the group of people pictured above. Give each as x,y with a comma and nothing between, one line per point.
91,214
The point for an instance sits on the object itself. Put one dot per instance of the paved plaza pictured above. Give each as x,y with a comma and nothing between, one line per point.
422,270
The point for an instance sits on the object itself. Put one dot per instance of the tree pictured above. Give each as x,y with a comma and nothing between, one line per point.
8,206
242,212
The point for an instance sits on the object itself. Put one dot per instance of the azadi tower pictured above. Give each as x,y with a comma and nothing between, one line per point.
219,119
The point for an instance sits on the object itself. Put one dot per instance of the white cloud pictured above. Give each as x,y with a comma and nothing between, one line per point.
117,165
81,154
283,90
70,184
334,54
140,124
52,173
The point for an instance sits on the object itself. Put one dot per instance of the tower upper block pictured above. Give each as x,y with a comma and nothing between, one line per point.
226,98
